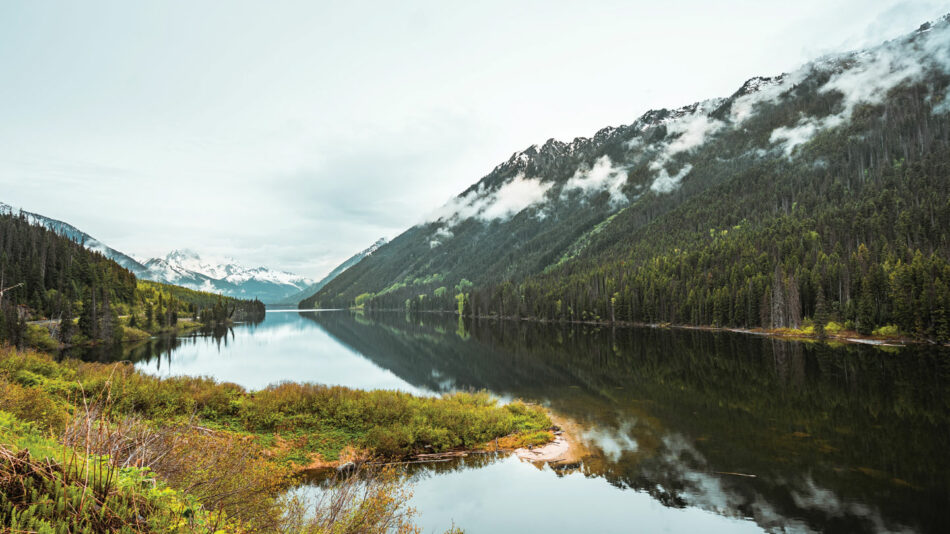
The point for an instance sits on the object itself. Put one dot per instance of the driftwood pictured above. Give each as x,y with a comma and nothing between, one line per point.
441,455
735,474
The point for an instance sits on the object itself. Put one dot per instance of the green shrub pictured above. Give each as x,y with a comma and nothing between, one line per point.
889,331
833,327
38,337
32,404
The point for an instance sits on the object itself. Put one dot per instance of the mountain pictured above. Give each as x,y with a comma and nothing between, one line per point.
298,298
820,192
76,235
185,268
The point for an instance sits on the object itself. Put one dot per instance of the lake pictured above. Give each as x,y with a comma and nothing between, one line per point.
687,431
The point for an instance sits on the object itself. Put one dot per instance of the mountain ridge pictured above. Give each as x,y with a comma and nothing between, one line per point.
588,228
306,293
184,267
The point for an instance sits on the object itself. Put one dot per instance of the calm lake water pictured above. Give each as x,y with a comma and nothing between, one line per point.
688,431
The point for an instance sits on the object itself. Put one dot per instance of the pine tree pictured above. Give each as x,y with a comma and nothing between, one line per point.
88,323
66,326
821,313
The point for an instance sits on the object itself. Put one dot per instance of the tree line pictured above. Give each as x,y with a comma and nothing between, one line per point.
87,296
852,229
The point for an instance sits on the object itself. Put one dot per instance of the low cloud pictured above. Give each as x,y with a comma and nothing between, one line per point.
664,183
763,90
442,234
790,137
869,79
502,203
692,132
602,176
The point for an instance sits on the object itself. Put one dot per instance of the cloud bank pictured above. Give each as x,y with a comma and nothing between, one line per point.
692,131
869,79
502,203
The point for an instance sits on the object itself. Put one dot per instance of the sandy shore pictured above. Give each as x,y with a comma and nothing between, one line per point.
565,449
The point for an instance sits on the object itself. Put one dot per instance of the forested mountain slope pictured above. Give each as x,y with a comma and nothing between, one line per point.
312,290
47,275
184,267
820,193
77,235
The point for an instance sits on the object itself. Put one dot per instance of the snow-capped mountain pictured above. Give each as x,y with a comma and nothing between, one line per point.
185,267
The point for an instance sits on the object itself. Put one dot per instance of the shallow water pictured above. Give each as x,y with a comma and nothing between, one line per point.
688,431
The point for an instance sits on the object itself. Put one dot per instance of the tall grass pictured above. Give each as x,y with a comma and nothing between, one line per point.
315,419
196,454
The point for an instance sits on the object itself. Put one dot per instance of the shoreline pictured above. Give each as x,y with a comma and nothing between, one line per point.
564,449
845,336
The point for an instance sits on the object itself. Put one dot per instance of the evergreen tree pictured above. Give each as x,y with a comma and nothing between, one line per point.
821,313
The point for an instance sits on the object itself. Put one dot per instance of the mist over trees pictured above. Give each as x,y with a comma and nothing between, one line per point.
775,223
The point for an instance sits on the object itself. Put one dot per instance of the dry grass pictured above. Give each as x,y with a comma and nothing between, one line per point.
367,501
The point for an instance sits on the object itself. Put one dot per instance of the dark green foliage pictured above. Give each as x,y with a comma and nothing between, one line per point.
56,278
56,273
860,215
165,303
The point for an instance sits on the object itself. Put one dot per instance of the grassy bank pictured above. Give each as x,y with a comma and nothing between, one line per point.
213,447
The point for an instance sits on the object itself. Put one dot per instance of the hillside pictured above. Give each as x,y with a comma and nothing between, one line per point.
304,300
76,235
87,297
184,267
817,194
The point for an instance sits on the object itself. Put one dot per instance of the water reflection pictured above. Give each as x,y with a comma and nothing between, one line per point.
701,431
794,435
284,347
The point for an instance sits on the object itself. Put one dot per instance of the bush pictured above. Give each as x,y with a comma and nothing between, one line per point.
32,404
833,327
889,331
213,445
39,338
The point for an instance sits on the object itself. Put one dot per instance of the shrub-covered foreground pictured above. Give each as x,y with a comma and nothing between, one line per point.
143,454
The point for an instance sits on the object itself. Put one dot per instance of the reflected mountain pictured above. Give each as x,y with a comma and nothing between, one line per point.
793,435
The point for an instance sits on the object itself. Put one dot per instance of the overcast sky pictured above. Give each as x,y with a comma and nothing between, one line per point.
293,134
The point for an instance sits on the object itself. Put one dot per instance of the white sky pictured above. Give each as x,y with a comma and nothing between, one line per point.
293,134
